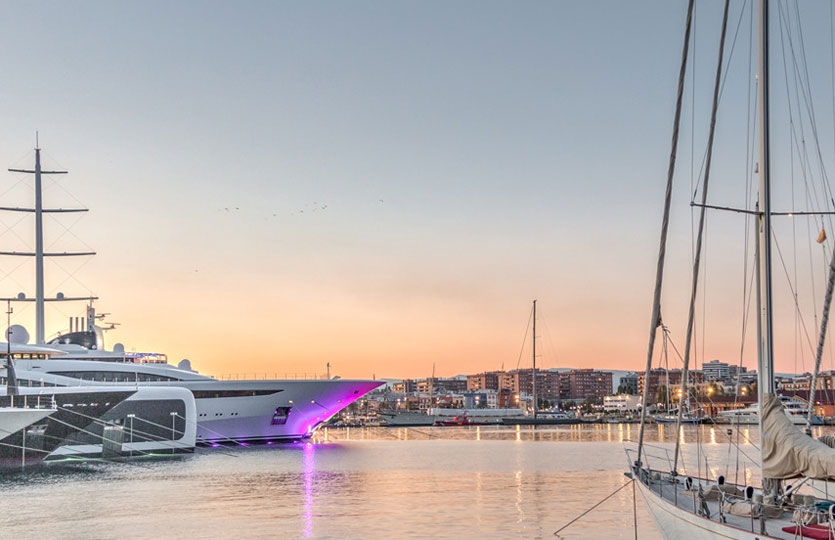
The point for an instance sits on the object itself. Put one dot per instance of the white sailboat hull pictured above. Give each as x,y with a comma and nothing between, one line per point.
677,524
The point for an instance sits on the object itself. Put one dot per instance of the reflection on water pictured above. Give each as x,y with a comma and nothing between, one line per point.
309,472
456,482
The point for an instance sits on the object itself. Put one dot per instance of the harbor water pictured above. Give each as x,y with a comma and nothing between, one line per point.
467,482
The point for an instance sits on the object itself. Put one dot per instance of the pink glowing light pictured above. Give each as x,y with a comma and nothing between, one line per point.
309,472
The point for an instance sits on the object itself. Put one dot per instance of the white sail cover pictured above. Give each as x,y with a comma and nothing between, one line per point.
788,452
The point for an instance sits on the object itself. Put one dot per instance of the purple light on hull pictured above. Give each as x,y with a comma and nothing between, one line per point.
306,419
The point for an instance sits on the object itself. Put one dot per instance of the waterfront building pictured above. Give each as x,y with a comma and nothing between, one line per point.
716,370
629,383
451,385
621,404
794,383
489,380
658,378
714,405
406,386
482,399
585,384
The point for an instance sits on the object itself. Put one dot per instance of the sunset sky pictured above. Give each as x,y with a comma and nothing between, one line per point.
387,185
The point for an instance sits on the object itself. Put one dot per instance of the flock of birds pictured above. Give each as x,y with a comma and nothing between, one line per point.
311,207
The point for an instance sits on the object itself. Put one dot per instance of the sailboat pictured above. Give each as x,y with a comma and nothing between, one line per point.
537,417
693,507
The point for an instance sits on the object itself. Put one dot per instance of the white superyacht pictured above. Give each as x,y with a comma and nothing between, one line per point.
234,412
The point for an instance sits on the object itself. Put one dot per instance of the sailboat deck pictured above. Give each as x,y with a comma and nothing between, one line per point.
668,491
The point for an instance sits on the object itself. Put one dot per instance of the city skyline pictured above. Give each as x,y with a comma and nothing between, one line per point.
274,188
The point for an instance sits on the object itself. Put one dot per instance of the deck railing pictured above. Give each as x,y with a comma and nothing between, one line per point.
35,401
267,376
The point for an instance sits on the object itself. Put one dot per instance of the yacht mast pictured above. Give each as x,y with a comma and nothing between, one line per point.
534,360
39,254
765,345
39,290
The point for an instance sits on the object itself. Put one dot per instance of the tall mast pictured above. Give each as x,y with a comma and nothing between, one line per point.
534,360
39,254
39,288
765,347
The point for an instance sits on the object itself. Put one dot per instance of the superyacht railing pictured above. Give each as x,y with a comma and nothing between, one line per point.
268,376
35,401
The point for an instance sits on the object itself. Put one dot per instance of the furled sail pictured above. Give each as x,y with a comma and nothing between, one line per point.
787,451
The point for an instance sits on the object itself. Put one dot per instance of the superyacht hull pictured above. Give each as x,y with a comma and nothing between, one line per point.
77,410
262,411
152,422
226,411
13,419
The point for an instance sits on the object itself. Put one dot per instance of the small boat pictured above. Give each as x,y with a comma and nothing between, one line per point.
459,420
795,410
543,418
406,419
673,418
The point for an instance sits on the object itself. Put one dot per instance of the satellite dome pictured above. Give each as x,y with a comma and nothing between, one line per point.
59,296
185,364
21,296
119,348
17,334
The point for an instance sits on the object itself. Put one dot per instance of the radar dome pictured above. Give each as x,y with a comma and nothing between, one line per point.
17,334
185,364
119,348
21,296
59,296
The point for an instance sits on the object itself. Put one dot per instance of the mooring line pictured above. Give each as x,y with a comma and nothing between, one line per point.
606,498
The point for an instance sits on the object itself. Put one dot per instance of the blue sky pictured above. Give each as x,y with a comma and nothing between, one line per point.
401,178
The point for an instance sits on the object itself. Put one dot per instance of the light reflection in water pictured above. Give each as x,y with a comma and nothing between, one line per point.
309,472
518,433
519,510
713,436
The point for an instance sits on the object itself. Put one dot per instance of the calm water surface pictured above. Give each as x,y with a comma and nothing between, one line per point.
487,482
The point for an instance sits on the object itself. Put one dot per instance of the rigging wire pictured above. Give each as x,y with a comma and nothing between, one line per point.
659,277
524,339
700,234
